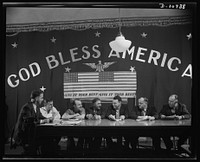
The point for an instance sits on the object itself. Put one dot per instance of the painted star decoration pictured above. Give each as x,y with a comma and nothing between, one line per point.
132,69
14,45
53,40
144,35
189,36
67,69
97,34
42,88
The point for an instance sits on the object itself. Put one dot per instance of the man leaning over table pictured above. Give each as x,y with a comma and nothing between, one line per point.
52,114
95,112
75,112
174,110
116,112
143,112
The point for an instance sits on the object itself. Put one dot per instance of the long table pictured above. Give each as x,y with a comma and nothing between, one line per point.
106,127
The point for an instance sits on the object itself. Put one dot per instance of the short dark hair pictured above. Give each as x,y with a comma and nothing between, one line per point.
48,100
117,98
35,93
95,100
73,102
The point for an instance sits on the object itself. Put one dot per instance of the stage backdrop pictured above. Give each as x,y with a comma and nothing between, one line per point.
74,60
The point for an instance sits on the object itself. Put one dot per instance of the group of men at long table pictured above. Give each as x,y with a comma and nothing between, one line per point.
32,114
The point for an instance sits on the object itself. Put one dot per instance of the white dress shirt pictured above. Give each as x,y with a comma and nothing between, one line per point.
50,113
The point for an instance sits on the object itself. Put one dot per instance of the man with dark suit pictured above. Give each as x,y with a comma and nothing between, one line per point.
29,116
144,112
116,112
174,110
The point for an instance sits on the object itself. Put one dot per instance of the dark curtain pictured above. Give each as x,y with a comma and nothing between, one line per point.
155,80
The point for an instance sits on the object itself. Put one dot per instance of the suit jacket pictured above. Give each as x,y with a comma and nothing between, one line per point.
92,110
135,112
27,118
181,110
123,111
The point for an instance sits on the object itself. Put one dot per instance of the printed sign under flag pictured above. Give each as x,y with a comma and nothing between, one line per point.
100,84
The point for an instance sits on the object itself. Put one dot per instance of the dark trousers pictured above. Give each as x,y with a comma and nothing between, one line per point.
134,142
71,143
169,144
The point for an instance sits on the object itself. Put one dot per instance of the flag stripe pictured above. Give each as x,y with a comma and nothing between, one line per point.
105,86
99,82
102,83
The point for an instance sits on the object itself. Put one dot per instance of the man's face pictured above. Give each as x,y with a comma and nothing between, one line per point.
172,102
49,105
116,104
97,104
39,99
78,104
142,103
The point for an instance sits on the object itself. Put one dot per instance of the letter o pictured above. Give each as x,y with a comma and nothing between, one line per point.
27,73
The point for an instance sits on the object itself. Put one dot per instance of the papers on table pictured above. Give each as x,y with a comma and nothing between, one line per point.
70,122
61,122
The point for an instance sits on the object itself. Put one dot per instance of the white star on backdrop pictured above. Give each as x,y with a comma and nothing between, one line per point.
14,45
42,89
67,69
53,40
97,34
144,35
189,36
132,69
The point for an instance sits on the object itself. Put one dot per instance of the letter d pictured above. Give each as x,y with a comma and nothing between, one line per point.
38,70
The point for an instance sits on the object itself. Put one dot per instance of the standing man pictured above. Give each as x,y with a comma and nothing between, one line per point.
174,110
144,112
116,112
29,116
76,112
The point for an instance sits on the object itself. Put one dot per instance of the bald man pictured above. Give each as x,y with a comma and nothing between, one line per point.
143,111
174,110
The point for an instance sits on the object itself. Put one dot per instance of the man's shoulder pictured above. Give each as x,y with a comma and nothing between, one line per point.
27,105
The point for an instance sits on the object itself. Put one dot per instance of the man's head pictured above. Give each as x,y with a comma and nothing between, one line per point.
37,96
49,104
117,101
77,104
173,100
142,103
96,103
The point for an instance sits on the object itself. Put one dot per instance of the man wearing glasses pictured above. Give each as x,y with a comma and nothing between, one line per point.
176,111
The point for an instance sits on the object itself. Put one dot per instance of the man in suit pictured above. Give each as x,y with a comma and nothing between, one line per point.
29,116
174,110
144,112
116,112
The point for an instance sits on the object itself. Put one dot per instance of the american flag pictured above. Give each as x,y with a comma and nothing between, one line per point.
99,83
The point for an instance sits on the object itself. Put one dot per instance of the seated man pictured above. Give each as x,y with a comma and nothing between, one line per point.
29,115
116,112
76,112
174,110
144,112
51,113
96,112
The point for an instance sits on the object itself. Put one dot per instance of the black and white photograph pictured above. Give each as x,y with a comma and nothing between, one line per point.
100,80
